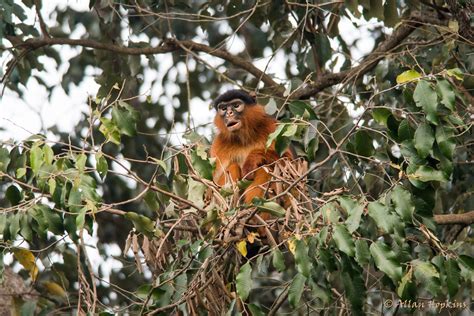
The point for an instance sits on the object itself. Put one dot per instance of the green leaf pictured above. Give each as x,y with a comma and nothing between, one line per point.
52,219
81,218
151,200
344,240
456,73
36,158
81,162
25,227
272,137
380,115
428,276
355,210
330,212
4,159
14,225
392,127
363,144
141,223
453,276
426,174
281,144
424,139
296,290
196,191
386,261
403,202
75,200
299,108
354,286
426,98
101,165
383,217
244,281
52,186
467,261
303,265
202,166
163,165
48,154
323,48
255,310
290,131
272,208
407,288
405,131
110,130
362,254
446,143
408,75
20,172
446,92
13,195
278,260
125,120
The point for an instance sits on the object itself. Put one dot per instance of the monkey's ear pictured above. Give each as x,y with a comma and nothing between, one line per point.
253,95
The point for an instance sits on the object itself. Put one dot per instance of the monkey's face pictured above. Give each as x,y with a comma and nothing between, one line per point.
231,112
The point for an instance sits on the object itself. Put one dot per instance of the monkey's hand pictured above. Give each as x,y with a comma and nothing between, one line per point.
256,159
252,163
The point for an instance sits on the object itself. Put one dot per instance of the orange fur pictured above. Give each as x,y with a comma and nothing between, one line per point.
240,152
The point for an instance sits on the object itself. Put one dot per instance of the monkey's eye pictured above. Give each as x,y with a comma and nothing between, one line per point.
238,106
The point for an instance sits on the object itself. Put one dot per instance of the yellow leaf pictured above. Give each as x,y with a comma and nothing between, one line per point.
27,260
251,237
408,75
54,289
292,245
455,72
453,26
242,247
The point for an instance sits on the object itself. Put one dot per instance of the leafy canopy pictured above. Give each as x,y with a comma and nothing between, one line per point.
380,203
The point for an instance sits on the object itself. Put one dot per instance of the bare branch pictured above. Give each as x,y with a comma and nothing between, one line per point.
391,43
43,27
167,46
450,219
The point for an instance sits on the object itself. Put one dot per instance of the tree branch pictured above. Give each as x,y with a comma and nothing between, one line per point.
43,27
323,82
449,219
390,44
167,46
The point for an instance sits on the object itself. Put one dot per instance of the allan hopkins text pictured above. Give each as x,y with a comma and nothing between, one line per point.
439,305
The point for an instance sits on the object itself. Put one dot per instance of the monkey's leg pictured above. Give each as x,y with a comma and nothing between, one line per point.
258,186
257,189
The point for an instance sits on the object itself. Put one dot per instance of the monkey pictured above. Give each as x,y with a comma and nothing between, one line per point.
240,145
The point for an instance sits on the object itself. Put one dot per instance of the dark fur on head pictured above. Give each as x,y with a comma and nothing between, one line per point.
234,94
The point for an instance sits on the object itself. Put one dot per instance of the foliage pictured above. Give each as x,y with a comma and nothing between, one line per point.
375,212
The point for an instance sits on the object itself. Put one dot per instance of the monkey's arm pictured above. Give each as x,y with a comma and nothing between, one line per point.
255,159
260,157
230,174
